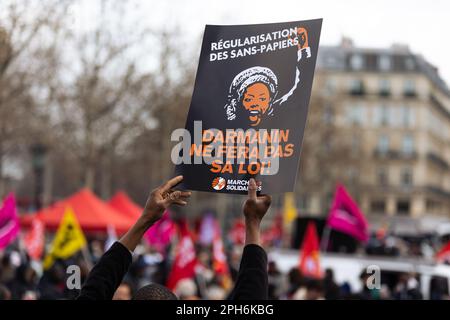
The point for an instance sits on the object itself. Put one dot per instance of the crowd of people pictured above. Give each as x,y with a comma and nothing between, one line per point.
131,268
23,279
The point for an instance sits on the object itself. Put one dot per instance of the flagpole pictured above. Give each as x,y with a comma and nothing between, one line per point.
87,257
325,239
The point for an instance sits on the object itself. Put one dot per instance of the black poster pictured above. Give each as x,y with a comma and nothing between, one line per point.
249,107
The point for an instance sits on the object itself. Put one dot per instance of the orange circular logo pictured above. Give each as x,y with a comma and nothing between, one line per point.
218,183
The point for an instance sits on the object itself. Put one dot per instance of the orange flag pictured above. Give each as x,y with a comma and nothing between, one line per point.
309,256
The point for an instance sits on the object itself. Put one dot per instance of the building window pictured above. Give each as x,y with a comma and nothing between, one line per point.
352,175
406,177
332,62
327,201
381,115
432,205
328,114
409,64
357,61
356,87
330,86
395,119
304,202
384,63
355,144
382,176
385,87
356,114
407,116
383,144
409,88
408,145
378,206
403,207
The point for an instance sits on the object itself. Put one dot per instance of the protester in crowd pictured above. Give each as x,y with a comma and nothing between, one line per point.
407,288
105,277
275,281
123,292
234,261
51,285
25,281
186,289
314,290
5,294
295,284
366,292
252,281
331,289
215,292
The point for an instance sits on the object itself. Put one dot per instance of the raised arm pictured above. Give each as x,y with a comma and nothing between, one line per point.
107,274
252,280
158,201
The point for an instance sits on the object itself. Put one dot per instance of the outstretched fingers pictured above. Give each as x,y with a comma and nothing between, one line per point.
171,183
176,197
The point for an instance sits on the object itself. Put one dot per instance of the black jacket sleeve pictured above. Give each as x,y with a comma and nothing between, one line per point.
107,274
252,280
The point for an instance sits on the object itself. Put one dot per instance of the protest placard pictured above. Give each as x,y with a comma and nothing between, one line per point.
249,107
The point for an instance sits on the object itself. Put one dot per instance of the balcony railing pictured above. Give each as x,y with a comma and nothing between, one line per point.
384,93
394,154
439,161
409,94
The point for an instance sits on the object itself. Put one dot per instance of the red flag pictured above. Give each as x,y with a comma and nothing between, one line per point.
219,258
309,257
35,239
346,217
237,232
444,254
273,234
185,258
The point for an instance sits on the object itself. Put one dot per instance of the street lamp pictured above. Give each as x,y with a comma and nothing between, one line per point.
38,152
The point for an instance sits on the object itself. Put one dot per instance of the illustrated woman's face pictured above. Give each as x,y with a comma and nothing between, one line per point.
256,101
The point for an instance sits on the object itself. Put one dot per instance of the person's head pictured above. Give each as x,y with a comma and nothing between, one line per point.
252,93
186,289
123,292
329,274
272,267
215,292
154,292
295,277
314,290
5,294
256,101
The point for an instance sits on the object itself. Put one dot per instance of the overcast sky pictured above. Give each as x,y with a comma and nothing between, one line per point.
423,25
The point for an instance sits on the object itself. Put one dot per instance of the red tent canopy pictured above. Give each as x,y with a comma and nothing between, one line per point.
92,213
121,202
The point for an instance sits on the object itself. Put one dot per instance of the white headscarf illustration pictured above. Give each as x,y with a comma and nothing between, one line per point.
266,76
245,79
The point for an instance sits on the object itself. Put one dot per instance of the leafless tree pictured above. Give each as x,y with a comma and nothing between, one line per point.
22,68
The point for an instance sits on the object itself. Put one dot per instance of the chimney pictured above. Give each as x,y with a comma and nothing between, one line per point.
400,48
346,43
